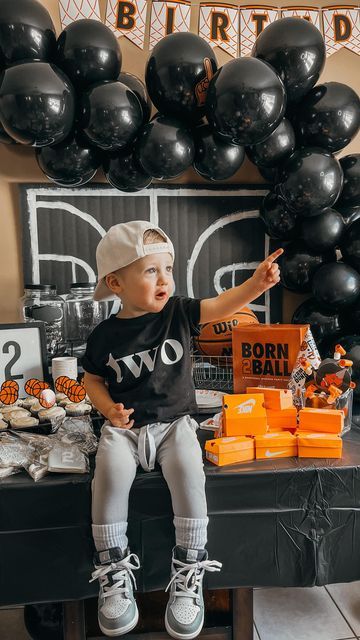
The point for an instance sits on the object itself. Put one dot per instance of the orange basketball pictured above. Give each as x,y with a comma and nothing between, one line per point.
38,387
68,384
59,382
29,385
8,394
215,337
76,393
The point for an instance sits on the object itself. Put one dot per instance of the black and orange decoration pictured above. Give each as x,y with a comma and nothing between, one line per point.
72,389
9,392
33,387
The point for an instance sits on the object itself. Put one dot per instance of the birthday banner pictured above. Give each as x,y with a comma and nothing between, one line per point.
224,25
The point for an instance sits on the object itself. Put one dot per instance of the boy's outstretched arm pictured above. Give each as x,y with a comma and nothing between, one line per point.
267,275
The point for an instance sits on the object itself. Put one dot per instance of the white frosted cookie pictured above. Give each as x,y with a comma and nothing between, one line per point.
54,413
29,402
77,408
22,423
18,412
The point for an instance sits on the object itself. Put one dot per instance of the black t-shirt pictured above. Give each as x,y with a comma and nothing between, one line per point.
146,360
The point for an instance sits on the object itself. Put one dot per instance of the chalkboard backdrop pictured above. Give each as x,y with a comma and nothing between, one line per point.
217,234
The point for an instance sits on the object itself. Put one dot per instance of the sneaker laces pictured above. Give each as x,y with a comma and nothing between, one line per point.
123,569
188,577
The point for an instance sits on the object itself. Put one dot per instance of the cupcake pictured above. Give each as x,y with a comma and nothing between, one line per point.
17,403
54,413
24,422
15,413
36,407
60,397
77,409
29,402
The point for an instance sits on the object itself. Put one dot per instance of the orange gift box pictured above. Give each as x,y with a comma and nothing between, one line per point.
328,421
319,445
275,399
286,419
276,445
244,414
265,354
222,451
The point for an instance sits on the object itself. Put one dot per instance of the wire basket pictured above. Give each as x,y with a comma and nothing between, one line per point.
213,372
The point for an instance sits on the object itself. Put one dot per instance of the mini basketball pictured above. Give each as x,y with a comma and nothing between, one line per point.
68,384
47,398
9,392
29,385
59,383
76,393
38,387
215,337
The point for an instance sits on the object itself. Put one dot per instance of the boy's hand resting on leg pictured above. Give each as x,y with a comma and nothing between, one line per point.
120,417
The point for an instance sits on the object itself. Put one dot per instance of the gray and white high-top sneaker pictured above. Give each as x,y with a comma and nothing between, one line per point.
117,609
184,617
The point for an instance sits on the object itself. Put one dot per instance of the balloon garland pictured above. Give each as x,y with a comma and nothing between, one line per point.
70,99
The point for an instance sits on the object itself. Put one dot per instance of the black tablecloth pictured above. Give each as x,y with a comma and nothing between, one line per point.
287,522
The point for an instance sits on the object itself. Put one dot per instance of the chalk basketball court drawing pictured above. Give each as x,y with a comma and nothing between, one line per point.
218,237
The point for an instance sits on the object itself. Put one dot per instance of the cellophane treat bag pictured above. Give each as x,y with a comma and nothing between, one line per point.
265,354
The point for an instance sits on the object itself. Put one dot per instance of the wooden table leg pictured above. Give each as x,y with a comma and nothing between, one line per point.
74,620
243,614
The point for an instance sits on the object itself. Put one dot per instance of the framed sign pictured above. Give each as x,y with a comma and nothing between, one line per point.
23,353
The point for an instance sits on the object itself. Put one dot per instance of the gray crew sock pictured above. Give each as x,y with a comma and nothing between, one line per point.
107,536
191,533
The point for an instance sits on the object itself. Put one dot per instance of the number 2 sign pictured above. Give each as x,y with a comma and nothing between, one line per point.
22,353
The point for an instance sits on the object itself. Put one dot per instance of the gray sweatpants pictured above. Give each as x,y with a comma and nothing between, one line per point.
176,448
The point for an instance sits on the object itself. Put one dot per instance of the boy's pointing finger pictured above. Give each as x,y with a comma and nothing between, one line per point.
274,256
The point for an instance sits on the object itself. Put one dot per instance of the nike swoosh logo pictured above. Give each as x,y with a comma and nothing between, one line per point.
273,454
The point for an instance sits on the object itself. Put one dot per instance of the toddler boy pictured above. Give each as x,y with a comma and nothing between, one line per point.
138,375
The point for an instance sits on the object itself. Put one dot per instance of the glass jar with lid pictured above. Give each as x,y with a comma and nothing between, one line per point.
82,314
40,303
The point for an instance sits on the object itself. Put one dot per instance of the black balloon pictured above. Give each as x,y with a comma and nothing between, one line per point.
37,104
350,319
350,195
277,148
323,231
177,75
215,159
311,180
26,32
349,214
73,162
298,264
111,115
245,101
138,87
88,52
4,137
350,244
296,50
270,174
280,223
123,172
328,116
336,285
322,323
165,147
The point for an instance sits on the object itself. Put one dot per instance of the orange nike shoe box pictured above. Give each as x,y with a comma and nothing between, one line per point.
244,414
276,445
222,451
326,421
275,399
319,445
285,419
